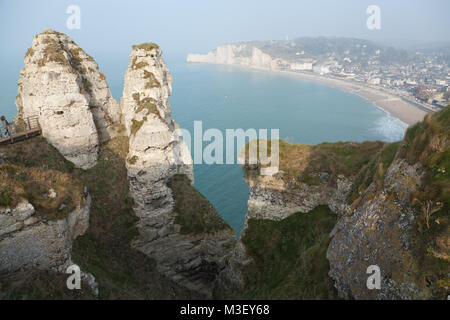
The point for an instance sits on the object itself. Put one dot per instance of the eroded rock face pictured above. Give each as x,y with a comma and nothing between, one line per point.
156,154
378,232
28,242
238,54
63,86
275,199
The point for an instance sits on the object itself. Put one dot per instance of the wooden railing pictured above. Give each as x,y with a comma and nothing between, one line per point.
23,129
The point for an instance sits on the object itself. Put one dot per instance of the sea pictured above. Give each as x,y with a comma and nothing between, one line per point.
227,97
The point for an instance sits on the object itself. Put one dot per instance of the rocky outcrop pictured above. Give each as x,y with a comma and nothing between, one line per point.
393,210
156,155
379,232
273,198
63,87
238,54
400,223
31,242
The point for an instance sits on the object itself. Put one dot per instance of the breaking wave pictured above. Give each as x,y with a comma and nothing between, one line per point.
390,129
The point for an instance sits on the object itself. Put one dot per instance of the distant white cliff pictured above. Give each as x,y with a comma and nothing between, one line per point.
238,54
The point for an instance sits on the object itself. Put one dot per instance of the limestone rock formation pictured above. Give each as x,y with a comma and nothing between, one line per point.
157,156
275,199
28,242
393,208
400,223
238,54
378,232
63,86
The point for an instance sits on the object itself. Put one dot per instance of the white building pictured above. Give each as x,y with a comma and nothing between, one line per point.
302,66
321,69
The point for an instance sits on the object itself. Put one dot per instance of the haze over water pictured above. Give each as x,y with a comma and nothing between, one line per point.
225,97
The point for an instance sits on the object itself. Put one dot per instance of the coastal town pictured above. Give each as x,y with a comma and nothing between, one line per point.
419,76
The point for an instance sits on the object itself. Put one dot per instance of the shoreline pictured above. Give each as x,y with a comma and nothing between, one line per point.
393,104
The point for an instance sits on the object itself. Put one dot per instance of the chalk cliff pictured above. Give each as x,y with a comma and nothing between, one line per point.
391,202
42,212
178,227
62,85
238,54
29,242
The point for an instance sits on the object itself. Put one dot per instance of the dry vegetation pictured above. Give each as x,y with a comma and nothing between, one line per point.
146,46
24,177
306,163
53,52
428,143
104,250
138,65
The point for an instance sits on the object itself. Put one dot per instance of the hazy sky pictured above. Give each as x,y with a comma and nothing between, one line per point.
182,26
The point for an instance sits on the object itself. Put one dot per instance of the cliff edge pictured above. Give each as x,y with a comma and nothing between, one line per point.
391,203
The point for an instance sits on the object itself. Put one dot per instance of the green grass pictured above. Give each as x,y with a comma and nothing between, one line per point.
6,197
193,211
289,257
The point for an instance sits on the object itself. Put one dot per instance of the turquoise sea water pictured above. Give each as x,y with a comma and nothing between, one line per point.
224,97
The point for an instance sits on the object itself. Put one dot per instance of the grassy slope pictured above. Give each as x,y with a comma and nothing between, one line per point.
302,162
104,251
289,257
30,171
194,213
428,142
